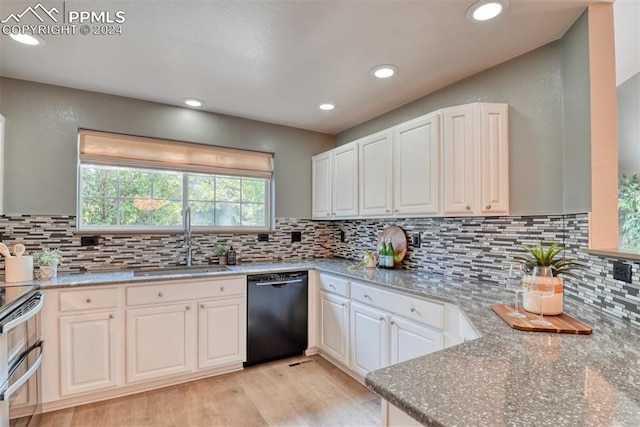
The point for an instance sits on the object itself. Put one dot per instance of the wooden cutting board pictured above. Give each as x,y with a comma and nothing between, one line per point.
398,239
561,324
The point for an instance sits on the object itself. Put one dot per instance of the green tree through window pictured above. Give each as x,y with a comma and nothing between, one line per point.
126,198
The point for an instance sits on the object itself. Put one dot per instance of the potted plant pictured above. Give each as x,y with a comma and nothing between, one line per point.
47,261
221,252
548,257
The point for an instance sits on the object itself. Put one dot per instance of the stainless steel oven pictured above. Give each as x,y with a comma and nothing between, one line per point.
20,356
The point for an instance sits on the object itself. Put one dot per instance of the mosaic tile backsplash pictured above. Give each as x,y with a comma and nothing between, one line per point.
476,247
118,251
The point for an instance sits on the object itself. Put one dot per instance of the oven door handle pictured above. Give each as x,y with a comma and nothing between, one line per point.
4,328
7,390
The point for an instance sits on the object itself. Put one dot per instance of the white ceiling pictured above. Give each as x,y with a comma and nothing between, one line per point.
275,60
626,15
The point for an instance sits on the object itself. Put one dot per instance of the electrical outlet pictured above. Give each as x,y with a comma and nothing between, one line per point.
622,271
263,237
296,236
416,240
342,238
89,240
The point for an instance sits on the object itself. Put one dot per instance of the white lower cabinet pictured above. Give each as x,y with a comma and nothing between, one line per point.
222,332
160,341
334,327
369,339
410,340
89,349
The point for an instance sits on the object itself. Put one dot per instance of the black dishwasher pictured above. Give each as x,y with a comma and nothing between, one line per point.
277,316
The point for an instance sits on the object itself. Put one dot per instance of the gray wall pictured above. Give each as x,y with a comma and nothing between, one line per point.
629,126
42,123
577,117
532,85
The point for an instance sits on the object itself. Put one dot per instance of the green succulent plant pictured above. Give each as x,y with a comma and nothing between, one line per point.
540,256
47,258
221,250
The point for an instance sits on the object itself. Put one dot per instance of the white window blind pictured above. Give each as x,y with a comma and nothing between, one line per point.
101,148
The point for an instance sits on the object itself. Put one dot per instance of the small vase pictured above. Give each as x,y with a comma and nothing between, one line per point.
47,272
222,259
552,306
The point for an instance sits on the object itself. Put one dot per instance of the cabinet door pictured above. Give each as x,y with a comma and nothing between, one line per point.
321,186
334,327
375,174
494,159
416,172
160,341
344,165
222,332
410,340
458,159
89,349
369,342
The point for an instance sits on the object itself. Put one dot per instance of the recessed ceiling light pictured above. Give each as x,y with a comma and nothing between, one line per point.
326,106
28,39
484,10
193,102
384,71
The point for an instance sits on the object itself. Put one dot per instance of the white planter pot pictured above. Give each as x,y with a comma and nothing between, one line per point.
552,306
47,272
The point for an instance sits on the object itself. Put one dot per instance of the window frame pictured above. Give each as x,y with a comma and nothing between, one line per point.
155,229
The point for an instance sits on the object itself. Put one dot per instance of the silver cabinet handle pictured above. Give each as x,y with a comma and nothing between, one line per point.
367,296
88,300
413,310
188,307
112,316
387,210
382,319
488,206
221,288
160,294
331,286
201,305
468,208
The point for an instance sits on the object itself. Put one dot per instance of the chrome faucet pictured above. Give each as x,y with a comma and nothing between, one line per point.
188,243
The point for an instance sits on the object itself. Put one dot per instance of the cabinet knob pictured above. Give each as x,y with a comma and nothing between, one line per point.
413,310
367,296
344,305
468,208
488,206
382,319
221,288
387,210
88,300
160,294
201,305
188,307
331,286
112,316
393,323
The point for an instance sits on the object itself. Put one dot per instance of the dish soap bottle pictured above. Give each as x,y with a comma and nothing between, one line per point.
391,254
231,256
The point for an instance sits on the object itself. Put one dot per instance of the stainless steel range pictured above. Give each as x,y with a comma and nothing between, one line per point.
20,356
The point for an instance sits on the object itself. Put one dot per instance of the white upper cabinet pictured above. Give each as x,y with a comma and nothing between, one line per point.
416,160
345,180
321,186
375,165
458,159
494,159
475,142
453,162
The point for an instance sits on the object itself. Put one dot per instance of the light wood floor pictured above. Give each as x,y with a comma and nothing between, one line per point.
274,394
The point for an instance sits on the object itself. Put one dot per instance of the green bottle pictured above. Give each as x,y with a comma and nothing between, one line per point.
382,255
391,254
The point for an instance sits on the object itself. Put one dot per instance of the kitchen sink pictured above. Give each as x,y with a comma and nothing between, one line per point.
180,271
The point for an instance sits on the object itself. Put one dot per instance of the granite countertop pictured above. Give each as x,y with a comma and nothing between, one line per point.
504,378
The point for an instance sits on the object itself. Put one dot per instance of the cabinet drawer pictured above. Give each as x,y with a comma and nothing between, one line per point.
335,285
88,298
161,293
426,312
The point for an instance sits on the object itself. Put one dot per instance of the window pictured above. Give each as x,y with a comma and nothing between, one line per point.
149,191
